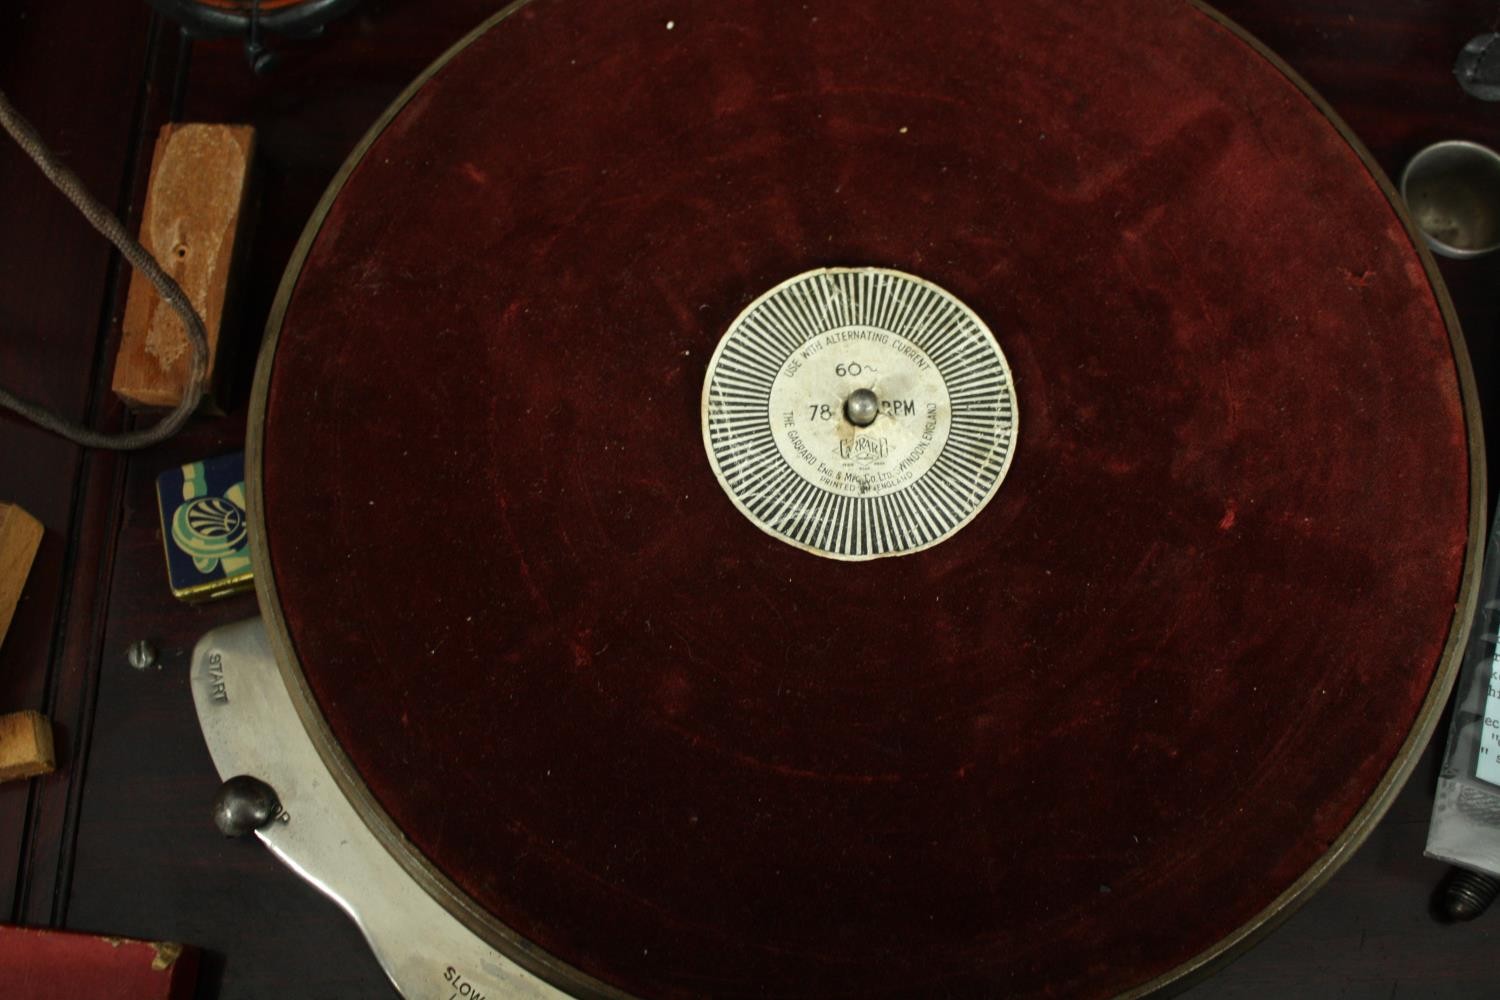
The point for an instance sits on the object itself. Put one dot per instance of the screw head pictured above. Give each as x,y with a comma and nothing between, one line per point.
141,654
263,62
862,407
243,805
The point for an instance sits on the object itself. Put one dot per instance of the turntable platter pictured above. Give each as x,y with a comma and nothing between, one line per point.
1147,691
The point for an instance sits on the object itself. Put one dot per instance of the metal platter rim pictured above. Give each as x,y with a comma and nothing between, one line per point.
565,976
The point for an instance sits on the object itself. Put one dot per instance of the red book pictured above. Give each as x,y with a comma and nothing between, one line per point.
37,964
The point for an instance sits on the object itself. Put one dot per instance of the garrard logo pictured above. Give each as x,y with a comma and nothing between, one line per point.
864,450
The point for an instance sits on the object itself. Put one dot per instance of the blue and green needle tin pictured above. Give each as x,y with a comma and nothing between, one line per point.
204,528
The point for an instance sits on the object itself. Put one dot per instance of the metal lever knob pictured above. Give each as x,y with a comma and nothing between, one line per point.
243,805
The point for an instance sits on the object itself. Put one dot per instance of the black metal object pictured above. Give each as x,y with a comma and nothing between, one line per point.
248,18
1478,67
207,20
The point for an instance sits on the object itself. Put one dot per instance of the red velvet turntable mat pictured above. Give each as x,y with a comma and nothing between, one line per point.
1065,751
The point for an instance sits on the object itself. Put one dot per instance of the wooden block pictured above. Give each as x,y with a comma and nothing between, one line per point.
191,222
59,965
20,534
25,746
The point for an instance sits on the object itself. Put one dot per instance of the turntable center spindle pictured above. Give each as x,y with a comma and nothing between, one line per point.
862,407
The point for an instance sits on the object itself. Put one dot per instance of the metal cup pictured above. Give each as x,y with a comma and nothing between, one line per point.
1453,192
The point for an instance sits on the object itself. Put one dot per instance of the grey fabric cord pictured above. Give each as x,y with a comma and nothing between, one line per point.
103,220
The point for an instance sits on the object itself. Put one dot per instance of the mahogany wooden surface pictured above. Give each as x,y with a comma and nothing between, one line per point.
119,839
55,279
